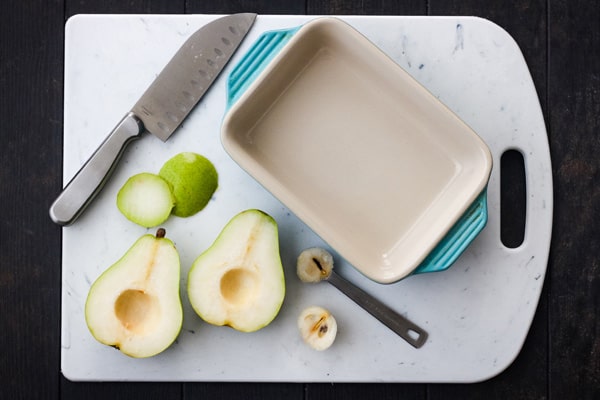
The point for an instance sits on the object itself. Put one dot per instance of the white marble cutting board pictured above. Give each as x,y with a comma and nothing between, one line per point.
477,313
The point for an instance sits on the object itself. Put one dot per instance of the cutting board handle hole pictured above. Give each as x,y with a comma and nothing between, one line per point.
513,198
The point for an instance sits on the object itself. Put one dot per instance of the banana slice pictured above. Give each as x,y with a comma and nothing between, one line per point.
314,265
318,327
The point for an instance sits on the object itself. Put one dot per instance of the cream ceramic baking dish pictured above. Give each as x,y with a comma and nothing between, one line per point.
361,152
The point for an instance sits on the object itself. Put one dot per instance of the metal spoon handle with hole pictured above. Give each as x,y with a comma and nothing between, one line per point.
410,332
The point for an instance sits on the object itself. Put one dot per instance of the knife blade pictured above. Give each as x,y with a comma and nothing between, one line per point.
161,109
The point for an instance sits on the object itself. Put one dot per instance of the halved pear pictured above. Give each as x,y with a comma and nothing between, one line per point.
135,305
239,280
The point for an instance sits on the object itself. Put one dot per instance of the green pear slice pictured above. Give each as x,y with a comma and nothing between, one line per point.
239,280
193,180
146,199
135,305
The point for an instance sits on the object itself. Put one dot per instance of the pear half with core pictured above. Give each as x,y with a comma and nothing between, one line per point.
239,280
135,305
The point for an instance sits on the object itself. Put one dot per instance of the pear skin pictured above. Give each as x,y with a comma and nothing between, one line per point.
135,305
239,280
193,180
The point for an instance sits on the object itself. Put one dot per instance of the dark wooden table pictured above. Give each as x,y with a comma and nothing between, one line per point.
561,356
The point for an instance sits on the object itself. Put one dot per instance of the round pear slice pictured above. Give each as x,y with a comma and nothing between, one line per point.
193,180
239,280
146,200
314,265
135,305
318,327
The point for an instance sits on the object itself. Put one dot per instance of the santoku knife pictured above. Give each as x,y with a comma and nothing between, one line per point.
160,110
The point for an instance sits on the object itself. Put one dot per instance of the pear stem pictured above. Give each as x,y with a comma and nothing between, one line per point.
160,233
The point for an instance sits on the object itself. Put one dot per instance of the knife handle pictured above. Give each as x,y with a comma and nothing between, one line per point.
90,179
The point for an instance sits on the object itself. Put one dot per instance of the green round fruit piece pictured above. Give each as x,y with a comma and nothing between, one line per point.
193,180
135,305
146,199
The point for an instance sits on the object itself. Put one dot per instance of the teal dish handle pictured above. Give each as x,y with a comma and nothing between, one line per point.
462,233
255,60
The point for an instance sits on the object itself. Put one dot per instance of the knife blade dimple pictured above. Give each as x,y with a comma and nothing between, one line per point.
204,74
180,106
173,117
196,84
188,96
190,73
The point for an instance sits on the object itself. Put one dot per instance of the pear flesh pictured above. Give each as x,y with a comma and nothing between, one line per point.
135,305
146,200
318,328
314,265
239,280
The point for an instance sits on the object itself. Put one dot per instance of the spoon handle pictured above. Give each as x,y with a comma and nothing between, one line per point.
410,332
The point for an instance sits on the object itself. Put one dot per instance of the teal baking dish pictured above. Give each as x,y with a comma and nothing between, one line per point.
369,159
